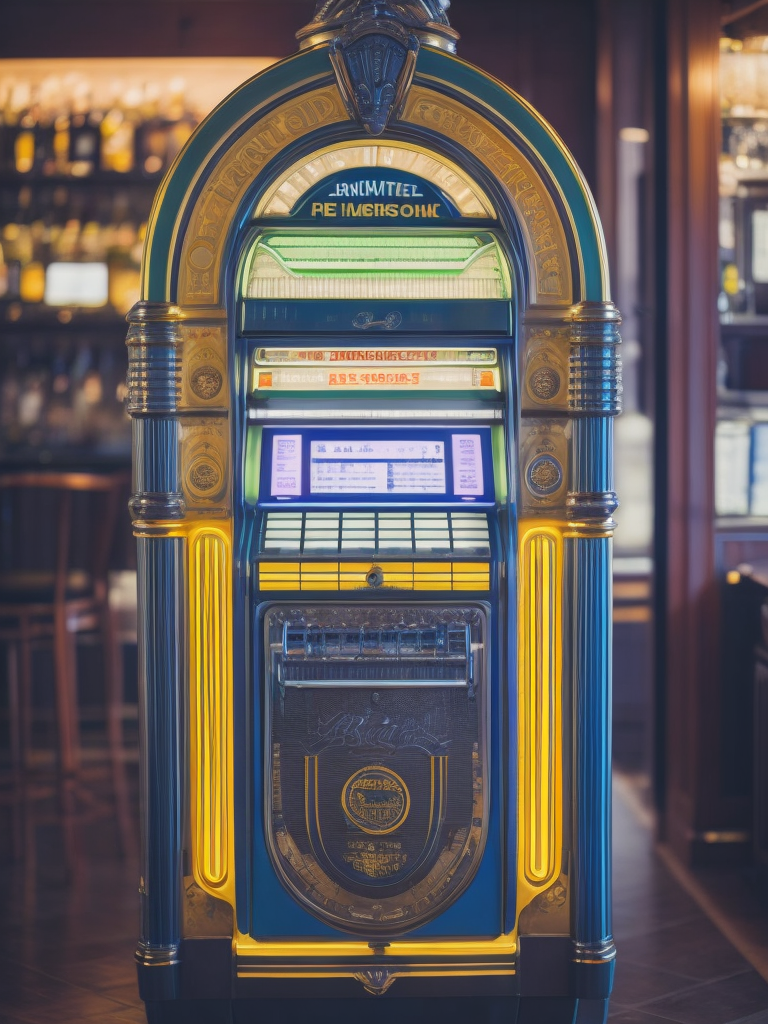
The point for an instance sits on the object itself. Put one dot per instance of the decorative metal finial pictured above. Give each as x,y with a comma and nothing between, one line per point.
373,47
426,18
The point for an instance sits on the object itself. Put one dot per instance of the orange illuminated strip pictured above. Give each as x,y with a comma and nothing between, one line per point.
374,356
426,378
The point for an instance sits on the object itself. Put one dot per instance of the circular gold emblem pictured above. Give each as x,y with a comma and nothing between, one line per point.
204,476
206,381
545,475
376,800
544,383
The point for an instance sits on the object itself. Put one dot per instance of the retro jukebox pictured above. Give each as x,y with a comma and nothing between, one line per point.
372,381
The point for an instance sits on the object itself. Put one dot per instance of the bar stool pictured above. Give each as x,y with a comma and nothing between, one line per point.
57,530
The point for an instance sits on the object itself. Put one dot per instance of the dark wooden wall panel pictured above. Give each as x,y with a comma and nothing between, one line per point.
546,52
695,800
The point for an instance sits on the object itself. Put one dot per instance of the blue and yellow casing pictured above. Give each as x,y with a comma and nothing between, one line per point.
254,280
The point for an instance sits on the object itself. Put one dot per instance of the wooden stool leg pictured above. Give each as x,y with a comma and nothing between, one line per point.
25,692
16,730
113,693
66,695
65,681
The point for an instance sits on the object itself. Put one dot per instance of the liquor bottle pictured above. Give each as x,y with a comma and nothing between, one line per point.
153,145
118,132
32,280
24,144
59,411
32,403
10,389
180,122
80,369
84,135
17,243
4,283
12,272
7,126
61,140
45,134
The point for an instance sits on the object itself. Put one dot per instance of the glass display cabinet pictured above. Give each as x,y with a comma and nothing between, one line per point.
372,378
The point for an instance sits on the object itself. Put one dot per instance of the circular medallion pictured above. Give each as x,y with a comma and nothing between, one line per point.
204,476
206,381
376,800
545,475
544,383
201,257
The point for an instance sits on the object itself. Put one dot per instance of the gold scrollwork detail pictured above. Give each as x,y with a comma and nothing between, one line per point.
376,980
204,916
538,216
204,376
546,367
206,381
376,800
545,455
544,383
217,205
204,446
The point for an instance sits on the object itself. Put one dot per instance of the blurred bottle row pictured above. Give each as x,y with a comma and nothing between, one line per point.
71,247
71,396
67,126
83,144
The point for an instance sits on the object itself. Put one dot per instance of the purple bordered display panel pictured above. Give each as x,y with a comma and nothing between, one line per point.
376,466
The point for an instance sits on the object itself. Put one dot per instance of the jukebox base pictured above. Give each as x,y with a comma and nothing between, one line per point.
210,988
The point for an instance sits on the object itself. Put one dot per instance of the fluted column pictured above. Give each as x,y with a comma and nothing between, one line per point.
156,503
594,399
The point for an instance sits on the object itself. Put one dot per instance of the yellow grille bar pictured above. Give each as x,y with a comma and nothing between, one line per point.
356,575
209,599
540,698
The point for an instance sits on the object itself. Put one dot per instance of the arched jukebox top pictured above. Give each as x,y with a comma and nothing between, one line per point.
375,246
377,89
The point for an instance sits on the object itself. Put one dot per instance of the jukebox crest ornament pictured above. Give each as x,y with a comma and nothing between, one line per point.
376,800
373,50
374,71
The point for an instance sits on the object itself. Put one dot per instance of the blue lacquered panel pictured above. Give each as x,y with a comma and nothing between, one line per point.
369,318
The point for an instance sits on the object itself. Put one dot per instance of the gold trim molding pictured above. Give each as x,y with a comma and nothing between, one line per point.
216,207
541,224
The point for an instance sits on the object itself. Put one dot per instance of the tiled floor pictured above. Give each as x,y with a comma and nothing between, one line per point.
673,963
66,951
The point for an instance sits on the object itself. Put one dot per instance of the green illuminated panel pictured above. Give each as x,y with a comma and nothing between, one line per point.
345,265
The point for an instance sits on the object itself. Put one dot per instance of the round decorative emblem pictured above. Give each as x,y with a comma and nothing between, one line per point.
204,476
544,383
376,800
206,381
545,475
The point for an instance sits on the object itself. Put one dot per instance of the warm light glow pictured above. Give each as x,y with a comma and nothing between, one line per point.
211,706
377,265
144,81
466,195
634,135
540,705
